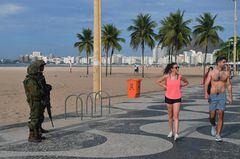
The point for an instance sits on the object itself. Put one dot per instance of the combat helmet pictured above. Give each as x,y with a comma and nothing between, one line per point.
32,69
40,63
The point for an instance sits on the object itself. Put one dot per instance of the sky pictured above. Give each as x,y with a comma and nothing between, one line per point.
50,26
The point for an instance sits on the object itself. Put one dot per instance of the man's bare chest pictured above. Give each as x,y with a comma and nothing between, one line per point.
219,76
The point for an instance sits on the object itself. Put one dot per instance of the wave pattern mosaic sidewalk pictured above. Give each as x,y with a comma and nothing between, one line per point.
137,130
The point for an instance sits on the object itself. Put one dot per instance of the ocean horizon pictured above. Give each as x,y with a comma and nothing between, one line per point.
54,65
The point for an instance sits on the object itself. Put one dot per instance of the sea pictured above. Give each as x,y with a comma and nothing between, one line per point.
52,65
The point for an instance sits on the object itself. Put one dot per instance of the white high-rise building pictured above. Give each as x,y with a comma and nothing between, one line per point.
68,60
210,58
104,60
180,58
117,59
124,60
36,53
57,60
148,60
199,57
83,60
158,52
187,56
163,60
193,57
131,60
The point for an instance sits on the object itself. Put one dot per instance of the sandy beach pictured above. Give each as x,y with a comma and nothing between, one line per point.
14,108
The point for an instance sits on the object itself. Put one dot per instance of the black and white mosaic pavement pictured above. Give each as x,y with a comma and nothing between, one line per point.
137,131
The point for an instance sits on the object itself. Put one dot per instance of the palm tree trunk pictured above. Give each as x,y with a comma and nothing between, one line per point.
176,50
229,57
111,61
87,64
143,59
176,56
106,63
169,54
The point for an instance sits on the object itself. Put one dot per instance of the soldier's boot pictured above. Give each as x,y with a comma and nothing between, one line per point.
41,135
33,137
44,131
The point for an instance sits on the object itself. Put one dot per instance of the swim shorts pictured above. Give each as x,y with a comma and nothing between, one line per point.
217,101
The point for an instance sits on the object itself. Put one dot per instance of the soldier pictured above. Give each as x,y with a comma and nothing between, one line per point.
46,88
35,95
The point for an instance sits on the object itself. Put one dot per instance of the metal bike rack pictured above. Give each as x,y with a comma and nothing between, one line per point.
79,97
90,96
99,93
93,102
65,114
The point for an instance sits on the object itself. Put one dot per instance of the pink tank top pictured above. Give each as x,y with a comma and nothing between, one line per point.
173,88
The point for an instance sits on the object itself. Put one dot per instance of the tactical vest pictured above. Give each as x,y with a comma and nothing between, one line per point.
27,91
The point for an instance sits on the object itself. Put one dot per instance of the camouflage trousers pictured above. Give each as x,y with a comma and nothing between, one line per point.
36,114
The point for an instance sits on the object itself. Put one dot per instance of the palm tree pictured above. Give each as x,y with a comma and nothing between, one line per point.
108,40
182,31
227,48
162,37
174,32
142,34
85,43
115,45
206,32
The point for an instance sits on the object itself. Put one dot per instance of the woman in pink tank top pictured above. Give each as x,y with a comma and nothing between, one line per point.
172,82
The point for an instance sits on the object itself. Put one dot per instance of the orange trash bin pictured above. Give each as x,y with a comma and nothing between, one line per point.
134,86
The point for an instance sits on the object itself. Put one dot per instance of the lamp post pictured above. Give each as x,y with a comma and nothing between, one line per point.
97,47
235,38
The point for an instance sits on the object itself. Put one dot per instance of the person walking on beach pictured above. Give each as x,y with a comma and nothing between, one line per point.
220,81
205,78
34,95
136,69
206,74
172,82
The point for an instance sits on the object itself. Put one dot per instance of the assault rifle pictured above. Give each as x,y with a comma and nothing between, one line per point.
46,101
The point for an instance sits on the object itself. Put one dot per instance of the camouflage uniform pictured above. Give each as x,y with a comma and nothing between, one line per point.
46,88
35,95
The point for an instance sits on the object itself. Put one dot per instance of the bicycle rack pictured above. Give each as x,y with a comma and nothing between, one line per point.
65,114
93,102
79,97
90,96
99,93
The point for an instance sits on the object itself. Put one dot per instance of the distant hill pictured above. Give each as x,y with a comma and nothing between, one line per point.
211,47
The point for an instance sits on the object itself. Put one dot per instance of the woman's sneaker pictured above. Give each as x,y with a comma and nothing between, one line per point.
176,136
218,138
170,134
213,131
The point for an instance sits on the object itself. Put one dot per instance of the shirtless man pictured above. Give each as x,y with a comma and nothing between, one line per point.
220,81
